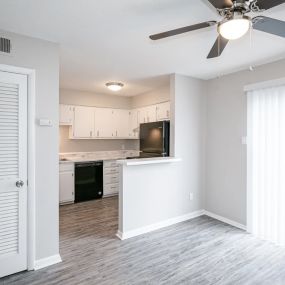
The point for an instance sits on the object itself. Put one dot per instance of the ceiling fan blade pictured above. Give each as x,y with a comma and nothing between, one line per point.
269,25
218,47
221,4
267,4
182,30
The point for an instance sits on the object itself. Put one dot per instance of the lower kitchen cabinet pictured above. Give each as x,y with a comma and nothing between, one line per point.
111,178
66,183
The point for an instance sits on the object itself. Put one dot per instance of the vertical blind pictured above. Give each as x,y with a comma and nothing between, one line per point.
266,163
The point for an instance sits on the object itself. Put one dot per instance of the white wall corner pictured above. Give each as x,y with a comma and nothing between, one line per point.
48,261
225,220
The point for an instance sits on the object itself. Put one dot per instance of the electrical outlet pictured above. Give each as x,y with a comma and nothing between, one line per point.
191,196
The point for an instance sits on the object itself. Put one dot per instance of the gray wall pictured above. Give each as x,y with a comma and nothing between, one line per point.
187,139
44,58
158,95
226,124
74,97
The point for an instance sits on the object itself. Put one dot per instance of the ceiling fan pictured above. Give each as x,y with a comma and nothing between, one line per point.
235,23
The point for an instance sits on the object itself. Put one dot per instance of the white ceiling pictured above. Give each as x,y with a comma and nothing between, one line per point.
107,40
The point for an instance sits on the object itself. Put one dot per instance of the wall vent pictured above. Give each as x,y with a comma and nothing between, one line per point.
5,45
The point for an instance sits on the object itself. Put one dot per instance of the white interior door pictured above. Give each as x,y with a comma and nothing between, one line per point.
13,173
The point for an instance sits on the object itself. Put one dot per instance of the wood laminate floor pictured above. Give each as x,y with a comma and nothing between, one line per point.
200,251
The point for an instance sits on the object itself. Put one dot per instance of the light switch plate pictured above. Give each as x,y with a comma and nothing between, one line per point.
244,140
45,122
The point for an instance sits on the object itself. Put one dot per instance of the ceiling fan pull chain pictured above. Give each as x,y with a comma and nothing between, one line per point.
250,37
219,46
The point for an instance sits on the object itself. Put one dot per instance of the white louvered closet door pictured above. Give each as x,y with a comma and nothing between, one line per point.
13,173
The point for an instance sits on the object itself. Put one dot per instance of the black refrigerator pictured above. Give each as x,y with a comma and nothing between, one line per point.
154,139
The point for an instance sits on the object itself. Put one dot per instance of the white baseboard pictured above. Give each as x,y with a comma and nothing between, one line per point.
225,220
48,261
163,224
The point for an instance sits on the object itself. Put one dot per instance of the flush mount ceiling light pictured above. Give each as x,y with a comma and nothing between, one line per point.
235,27
115,86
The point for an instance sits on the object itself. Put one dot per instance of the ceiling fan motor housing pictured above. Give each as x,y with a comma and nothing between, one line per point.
240,7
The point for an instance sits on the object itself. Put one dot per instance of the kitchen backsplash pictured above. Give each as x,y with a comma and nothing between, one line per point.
68,145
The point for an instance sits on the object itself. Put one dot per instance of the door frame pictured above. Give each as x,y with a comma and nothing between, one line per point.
31,223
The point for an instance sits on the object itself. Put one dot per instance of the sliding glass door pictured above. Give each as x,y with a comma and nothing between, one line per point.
266,163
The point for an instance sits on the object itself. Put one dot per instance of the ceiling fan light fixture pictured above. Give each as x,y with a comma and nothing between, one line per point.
235,27
114,86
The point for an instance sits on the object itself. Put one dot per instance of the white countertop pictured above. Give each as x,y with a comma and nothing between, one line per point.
144,161
95,156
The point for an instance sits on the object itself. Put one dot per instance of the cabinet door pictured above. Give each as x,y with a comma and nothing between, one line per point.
103,123
121,123
163,111
66,187
142,115
65,114
151,113
111,189
133,124
83,126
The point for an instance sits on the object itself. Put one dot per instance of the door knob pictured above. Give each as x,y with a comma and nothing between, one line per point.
19,184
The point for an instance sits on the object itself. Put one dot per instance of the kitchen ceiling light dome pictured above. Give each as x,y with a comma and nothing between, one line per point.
234,28
115,86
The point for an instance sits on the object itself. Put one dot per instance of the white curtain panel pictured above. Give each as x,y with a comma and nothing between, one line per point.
266,163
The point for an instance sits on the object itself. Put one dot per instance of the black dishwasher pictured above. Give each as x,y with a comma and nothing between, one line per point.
88,181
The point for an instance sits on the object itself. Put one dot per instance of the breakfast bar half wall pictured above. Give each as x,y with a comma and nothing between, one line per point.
149,197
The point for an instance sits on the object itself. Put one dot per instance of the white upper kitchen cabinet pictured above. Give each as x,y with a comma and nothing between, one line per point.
147,114
151,113
142,115
65,115
121,123
163,111
104,124
83,125
134,124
